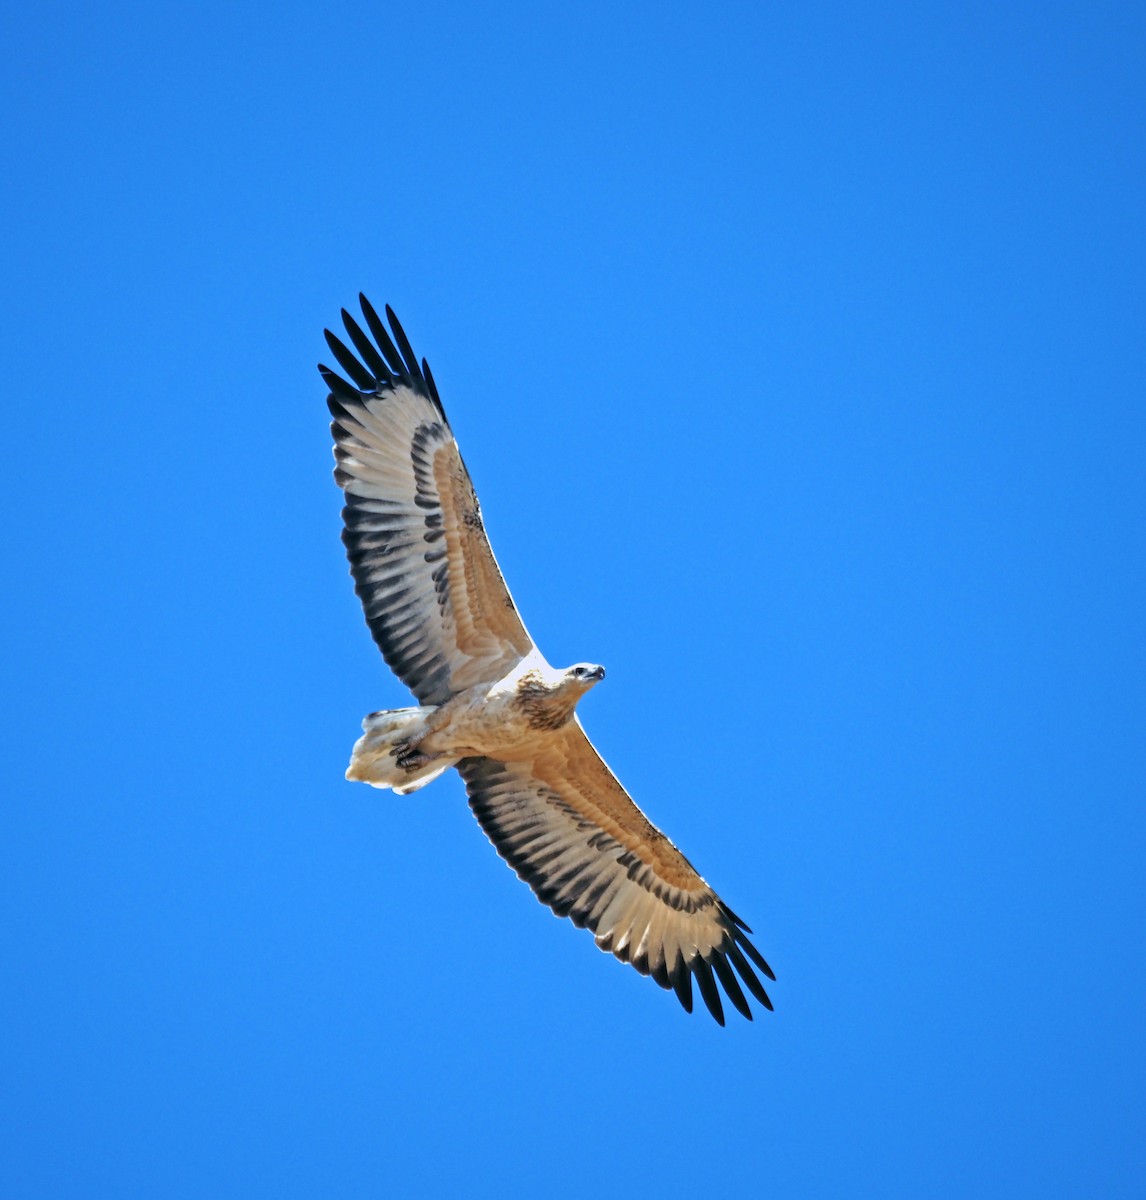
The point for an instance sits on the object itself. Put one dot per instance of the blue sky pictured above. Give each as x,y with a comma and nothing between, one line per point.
797,354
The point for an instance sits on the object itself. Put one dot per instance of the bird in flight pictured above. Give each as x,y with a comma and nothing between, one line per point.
488,702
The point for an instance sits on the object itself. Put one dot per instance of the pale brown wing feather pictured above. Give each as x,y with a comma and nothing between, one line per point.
433,596
568,828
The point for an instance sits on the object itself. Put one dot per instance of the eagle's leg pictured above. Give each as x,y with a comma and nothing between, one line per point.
407,755
434,739
431,740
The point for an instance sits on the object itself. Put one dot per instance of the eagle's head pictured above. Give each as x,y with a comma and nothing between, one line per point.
582,676
548,695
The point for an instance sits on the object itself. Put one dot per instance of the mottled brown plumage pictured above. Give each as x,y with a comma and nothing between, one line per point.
545,708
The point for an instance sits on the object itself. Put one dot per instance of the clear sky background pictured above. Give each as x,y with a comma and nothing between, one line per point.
799,357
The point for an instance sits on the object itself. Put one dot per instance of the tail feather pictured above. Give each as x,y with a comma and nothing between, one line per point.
372,761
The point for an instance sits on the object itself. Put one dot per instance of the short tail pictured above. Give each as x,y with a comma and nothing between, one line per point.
373,760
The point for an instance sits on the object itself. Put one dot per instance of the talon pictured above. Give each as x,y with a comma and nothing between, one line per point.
414,760
402,753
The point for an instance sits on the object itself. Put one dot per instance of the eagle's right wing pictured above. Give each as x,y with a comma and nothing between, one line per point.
568,828
434,598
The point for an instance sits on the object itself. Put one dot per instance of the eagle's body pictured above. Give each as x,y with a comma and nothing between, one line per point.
489,703
510,718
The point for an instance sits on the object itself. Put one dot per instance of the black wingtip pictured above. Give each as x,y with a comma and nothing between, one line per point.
433,388
382,336
754,954
366,348
731,987
681,978
747,974
338,386
411,359
737,921
708,989
346,360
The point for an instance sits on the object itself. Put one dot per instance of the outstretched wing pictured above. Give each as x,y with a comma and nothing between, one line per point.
567,827
433,596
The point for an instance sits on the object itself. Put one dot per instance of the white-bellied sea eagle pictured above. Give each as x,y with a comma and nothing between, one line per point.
488,702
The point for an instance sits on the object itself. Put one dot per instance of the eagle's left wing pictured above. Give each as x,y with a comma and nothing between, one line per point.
433,595
568,828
